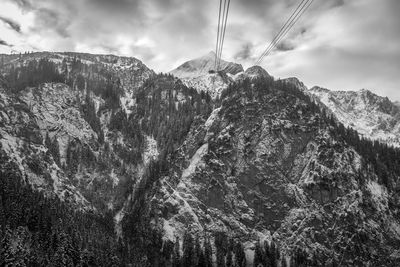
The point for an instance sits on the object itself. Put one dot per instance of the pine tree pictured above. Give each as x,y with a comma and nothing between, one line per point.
208,253
229,259
55,149
47,140
7,254
21,244
176,255
240,257
258,256
273,254
64,70
197,252
283,262
188,250
221,243
202,259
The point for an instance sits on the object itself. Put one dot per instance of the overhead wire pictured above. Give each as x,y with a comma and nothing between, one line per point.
217,44
284,26
221,30
294,22
223,34
289,25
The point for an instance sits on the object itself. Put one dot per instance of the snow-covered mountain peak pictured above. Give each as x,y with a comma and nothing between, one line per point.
256,71
203,65
200,74
296,82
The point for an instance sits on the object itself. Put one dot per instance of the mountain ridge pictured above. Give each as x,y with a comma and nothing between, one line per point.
373,116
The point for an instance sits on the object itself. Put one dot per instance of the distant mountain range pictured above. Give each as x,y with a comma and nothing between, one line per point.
373,116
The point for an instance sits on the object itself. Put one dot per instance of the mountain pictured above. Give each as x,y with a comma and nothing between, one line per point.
256,72
72,113
200,74
373,116
103,162
58,118
266,165
203,65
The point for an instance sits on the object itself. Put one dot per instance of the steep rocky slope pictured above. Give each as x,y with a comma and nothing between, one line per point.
267,166
22,143
373,116
71,123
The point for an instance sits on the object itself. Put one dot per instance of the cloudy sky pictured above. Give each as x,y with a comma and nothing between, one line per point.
337,44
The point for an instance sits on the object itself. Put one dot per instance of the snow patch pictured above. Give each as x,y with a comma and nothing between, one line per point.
379,195
196,161
168,231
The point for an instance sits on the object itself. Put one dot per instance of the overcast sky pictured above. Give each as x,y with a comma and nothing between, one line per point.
337,44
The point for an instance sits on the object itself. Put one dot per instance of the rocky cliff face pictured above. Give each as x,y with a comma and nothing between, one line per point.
22,144
265,166
373,116
60,135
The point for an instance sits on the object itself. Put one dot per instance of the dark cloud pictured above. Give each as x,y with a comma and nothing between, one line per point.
12,24
285,46
338,3
245,52
23,4
4,43
133,8
50,19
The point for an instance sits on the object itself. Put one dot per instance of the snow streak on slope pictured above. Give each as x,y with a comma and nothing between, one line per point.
195,161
